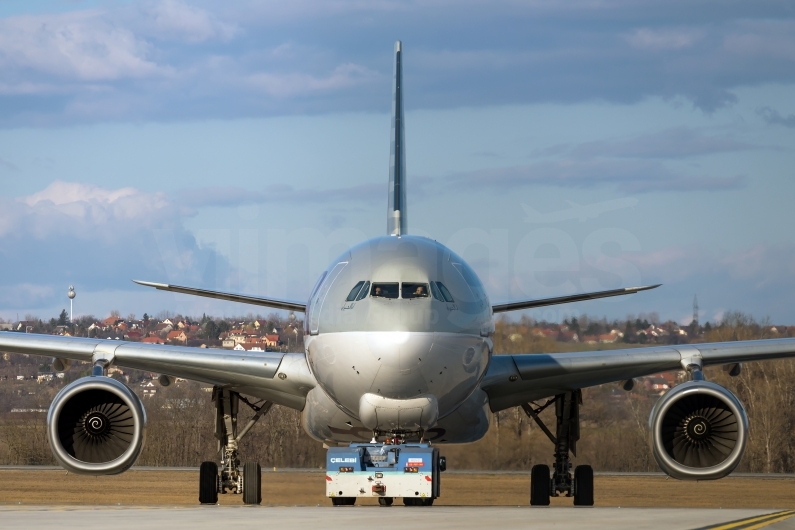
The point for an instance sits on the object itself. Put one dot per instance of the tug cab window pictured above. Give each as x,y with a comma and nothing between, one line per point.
384,290
414,290
354,292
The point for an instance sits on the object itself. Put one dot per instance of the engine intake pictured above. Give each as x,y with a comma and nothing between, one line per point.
96,426
698,431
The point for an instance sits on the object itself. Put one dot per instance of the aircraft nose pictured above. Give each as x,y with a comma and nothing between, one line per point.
400,350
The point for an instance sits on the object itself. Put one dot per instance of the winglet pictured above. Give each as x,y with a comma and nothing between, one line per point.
396,212
162,286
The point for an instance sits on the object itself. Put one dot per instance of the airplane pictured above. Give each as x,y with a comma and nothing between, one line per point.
397,356
583,212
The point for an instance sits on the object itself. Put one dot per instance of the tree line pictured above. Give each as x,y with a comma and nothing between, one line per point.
614,423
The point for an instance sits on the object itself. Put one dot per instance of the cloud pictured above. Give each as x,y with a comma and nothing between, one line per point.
665,39
774,117
175,60
634,165
677,142
84,211
80,46
284,85
631,176
8,166
761,279
229,196
71,233
173,20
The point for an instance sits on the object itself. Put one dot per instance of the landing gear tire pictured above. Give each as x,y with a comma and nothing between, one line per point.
208,483
252,483
386,501
343,501
539,485
583,486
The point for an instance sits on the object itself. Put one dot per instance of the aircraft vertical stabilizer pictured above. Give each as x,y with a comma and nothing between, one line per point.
396,214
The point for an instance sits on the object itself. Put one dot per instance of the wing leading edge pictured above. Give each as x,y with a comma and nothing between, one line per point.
252,373
527,304
232,297
512,380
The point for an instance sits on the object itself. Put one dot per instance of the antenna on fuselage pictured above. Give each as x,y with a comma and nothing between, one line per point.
396,213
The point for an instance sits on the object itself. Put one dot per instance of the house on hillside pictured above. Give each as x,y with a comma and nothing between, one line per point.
111,322
163,329
247,347
610,338
568,336
26,326
177,337
153,340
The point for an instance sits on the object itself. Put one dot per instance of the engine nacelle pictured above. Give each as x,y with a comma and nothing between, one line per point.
698,431
96,426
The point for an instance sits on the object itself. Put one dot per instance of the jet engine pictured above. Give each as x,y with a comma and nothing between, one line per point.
698,431
96,426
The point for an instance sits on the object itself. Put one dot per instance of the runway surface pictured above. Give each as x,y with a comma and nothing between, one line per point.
350,518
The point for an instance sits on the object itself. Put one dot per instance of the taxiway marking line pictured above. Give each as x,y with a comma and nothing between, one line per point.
752,523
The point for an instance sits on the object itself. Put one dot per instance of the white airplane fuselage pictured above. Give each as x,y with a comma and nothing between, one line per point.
403,361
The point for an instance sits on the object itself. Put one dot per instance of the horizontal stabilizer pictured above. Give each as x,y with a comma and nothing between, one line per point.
527,304
232,297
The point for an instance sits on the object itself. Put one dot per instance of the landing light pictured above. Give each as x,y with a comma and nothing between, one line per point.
346,470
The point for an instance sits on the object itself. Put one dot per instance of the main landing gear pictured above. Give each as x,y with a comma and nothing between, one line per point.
214,480
567,432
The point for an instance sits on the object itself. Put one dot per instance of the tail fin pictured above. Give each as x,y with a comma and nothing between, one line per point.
396,213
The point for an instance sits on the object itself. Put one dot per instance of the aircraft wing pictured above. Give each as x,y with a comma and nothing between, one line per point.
232,297
283,378
527,304
512,380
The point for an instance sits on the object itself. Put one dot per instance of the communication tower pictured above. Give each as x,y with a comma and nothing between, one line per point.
695,312
71,294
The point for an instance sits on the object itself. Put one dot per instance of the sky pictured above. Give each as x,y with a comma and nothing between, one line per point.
559,147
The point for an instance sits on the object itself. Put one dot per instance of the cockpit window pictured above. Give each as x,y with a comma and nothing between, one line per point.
384,290
354,291
436,293
364,291
414,290
445,293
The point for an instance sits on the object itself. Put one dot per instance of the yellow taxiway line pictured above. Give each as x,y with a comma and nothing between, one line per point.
751,523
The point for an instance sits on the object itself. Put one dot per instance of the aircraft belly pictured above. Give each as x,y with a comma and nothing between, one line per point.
398,366
324,421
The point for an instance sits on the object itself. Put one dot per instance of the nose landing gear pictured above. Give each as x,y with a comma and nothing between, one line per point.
214,480
567,432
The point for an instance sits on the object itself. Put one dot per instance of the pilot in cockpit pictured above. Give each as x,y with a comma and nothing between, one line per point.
420,291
